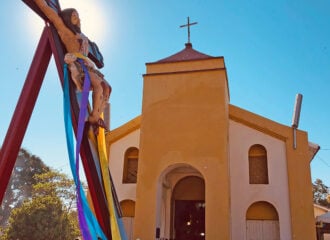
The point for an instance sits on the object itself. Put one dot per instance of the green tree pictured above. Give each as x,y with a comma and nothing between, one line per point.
41,218
321,193
20,184
54,183
49,214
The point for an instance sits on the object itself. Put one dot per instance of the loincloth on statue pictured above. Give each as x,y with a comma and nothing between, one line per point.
88,64
89,69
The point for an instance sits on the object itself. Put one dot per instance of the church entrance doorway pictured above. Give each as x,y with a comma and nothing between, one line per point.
188,209
189,221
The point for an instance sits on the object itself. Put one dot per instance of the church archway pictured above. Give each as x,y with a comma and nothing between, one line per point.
181,186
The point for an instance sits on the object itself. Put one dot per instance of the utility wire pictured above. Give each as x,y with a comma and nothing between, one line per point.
322,160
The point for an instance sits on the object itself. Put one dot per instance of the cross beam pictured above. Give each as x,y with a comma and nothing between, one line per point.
188,27
52,3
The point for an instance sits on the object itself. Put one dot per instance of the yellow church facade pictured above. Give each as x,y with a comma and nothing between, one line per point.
193,166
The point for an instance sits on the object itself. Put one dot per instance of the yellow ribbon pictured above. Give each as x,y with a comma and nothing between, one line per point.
80,55
115,232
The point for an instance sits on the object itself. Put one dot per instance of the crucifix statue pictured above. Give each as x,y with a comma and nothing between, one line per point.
188,27
63,39
67,24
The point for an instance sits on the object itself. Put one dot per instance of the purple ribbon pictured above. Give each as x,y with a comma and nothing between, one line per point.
80,131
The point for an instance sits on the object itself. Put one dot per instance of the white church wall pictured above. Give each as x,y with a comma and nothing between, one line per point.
243,194
116,164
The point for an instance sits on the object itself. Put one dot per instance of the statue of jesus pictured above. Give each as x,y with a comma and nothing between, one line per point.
67,24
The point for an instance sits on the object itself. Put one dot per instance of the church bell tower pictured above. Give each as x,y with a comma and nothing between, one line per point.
184,123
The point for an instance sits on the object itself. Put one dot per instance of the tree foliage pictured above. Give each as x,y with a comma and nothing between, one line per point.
321,193
47,211
20,184
43,217
54,183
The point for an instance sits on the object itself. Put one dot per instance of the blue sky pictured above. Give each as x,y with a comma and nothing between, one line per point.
272,49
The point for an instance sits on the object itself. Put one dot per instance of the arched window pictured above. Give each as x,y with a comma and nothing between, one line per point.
127,208
261,211
131,165
258,169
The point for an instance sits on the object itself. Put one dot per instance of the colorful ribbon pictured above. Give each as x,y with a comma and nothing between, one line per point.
117,227
89,225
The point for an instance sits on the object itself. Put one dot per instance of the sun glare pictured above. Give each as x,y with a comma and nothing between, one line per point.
34,25
92,16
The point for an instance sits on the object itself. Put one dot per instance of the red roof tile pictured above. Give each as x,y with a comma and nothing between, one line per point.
186,54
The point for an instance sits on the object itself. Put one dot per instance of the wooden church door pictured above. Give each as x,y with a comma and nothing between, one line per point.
262,230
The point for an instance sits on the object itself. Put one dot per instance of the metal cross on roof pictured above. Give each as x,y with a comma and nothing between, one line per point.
188,26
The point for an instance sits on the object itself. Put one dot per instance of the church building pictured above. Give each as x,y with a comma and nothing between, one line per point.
193,166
